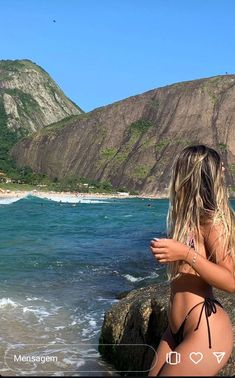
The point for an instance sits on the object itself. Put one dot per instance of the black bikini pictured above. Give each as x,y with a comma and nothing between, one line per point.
209,304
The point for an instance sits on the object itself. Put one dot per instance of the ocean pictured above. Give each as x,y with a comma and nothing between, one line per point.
62,266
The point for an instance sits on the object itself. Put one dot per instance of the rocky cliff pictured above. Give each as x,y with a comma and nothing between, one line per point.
29,98
132,143
134,326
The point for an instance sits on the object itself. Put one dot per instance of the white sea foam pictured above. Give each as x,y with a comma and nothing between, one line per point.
77,363
87,325
8,201
89,317
89,353
131,278
114,300
40,313
102,299
92,323
109,300
59,327
92,201
85,331
67,198
32,299
73,199
8,302
58,374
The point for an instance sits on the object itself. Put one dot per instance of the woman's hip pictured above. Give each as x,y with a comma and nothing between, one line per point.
210,321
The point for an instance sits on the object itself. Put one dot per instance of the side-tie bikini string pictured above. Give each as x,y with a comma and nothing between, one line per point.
209,304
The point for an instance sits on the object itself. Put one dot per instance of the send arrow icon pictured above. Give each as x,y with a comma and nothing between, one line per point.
219,356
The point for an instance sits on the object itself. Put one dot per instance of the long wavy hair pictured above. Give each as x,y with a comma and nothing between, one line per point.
198,193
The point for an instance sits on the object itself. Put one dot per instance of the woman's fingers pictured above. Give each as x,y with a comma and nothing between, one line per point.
154,250
157,250
160,250
158,243
162,261
158,254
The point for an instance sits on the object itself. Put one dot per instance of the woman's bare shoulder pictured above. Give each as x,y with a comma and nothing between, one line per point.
207,224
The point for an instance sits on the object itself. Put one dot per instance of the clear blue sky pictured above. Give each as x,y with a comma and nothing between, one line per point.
101,51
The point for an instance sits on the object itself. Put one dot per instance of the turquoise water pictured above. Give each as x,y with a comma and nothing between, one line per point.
62,266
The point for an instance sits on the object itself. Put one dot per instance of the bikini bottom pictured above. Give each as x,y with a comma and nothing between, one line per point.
209,304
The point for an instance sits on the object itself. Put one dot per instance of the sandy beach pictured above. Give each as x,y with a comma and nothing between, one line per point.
8,194
70,196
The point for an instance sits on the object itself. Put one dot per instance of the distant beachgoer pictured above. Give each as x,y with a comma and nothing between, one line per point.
200,255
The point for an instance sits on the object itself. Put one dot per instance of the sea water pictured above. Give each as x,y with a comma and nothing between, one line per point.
62,266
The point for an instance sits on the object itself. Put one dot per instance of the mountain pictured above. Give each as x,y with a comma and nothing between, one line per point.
132,143
29,98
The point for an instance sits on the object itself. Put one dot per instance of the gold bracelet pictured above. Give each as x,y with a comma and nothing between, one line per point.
187,254
194,258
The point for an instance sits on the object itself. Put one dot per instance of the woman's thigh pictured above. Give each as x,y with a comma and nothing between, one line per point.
196,358
166,345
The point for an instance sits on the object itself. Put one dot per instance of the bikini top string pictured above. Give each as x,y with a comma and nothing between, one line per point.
191,238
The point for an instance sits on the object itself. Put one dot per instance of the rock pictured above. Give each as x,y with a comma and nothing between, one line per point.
132,143
141,318
123,294
29,97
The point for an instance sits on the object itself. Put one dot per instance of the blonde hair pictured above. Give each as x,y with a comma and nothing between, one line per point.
197,193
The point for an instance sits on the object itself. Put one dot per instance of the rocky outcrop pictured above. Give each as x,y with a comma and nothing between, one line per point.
141,318
29,98
132,143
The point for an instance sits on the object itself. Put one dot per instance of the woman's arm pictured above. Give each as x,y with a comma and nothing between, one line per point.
220,274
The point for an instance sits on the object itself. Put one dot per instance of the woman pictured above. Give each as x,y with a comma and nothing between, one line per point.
200,255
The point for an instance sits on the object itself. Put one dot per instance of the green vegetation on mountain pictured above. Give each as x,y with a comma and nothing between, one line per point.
29,100
140,126
141,171
7,140
222,146
29,180
130,144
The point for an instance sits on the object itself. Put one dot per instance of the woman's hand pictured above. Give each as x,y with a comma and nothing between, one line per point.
168,250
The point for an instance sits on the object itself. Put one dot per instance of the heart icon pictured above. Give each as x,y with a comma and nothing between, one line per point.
196,357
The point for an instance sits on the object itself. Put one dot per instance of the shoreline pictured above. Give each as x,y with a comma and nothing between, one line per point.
7,194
